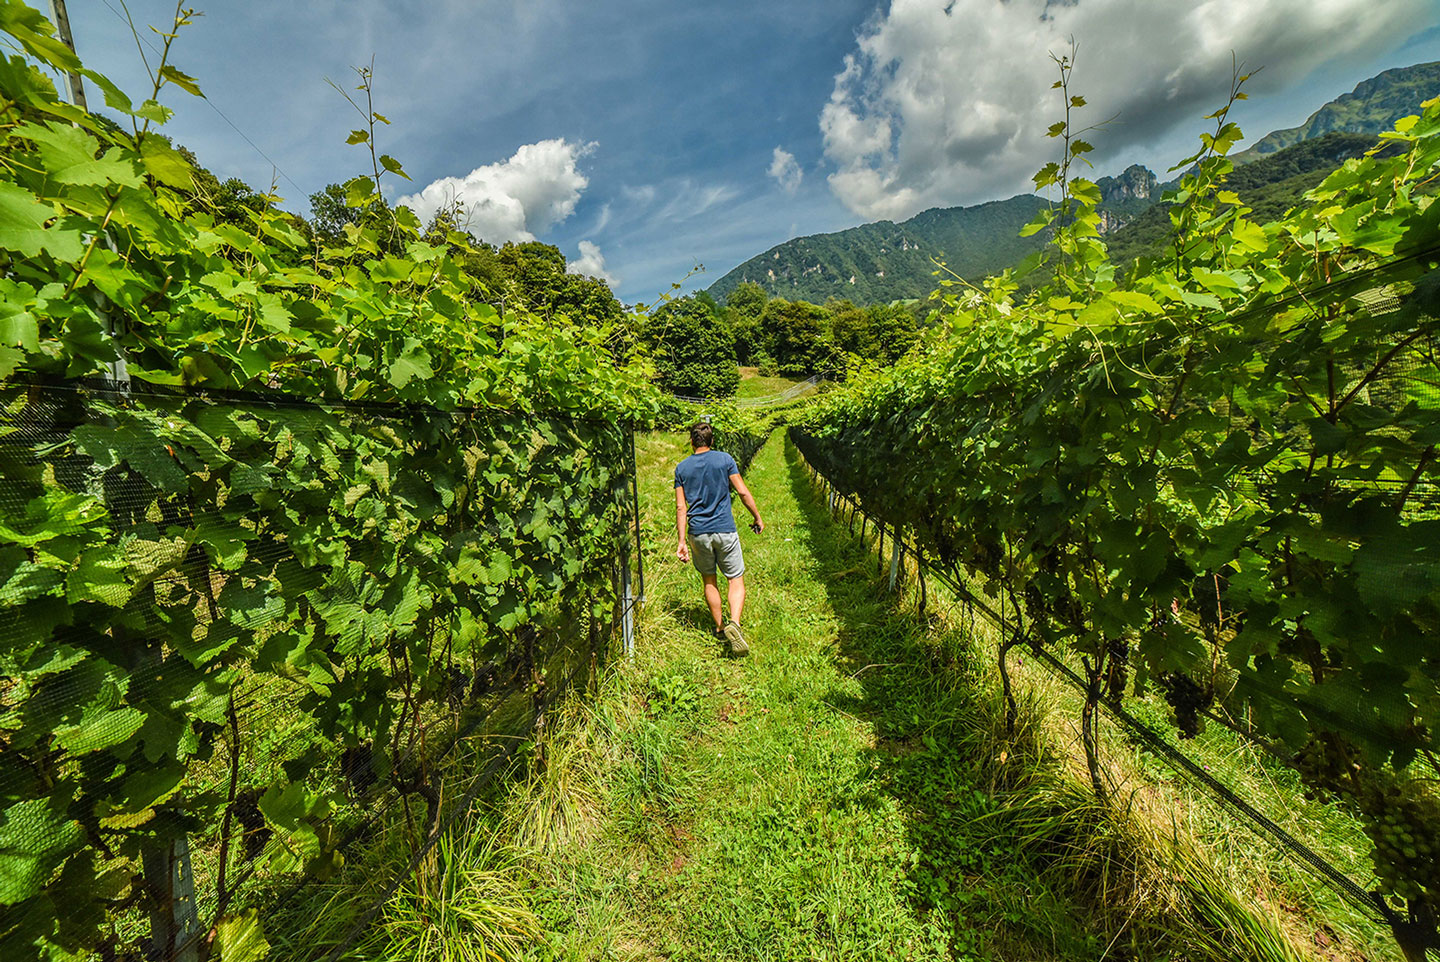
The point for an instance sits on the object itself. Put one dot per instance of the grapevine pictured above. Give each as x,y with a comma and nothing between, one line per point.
1210,466
336,477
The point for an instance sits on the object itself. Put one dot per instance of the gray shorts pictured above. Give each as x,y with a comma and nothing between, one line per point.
720,550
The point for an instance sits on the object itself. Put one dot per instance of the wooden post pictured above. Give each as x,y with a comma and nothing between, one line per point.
75,87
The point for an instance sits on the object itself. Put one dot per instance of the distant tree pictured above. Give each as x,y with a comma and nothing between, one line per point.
850,328
539,278
535,268
229,201
797,335
331,213
480,260
743,307
894,329
705,297
693,350
748,298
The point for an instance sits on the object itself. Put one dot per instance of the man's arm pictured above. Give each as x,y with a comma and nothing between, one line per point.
681,521
747,499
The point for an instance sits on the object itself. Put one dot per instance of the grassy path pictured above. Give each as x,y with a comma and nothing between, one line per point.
788,846
849,791
818,800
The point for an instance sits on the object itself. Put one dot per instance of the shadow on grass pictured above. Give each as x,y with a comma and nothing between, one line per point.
1011,858
689,611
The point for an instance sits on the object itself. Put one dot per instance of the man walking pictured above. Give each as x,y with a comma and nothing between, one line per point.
707,528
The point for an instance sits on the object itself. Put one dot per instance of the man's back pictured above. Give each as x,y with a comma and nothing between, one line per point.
705,476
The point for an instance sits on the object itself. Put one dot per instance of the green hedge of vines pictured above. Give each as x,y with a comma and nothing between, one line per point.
1214,472
451,482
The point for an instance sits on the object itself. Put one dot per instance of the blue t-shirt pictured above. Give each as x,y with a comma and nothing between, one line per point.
706,480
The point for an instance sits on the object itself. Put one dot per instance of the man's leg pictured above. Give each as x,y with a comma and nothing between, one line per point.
712,598
736,591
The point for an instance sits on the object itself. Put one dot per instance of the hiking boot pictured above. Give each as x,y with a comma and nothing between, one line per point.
736,639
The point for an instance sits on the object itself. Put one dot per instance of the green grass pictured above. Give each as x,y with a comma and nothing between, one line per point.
753,384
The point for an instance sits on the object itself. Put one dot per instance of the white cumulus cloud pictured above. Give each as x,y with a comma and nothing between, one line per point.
591,263
537,188
947,101
786,170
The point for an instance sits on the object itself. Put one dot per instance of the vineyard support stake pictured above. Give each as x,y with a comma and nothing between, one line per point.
173,924
635,507
627,611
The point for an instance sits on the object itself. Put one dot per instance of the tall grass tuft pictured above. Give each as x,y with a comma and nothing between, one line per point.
463,904
558,804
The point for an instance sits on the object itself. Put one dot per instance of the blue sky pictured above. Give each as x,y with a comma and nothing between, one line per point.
644,137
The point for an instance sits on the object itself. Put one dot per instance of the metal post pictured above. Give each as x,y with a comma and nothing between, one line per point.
174,927
639,543
895,559
75,89
920,571
627,617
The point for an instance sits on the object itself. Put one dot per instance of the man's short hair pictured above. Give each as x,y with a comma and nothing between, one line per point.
701,435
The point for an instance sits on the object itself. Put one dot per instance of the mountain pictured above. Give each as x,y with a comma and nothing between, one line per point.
1123,198
1371,108
885,261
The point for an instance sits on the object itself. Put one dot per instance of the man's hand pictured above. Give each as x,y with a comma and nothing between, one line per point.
683,552
747,499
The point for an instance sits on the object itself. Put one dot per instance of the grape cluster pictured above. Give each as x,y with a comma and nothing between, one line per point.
1187,698
484,681
252,823
988,557
1203,597
1402,820
357,766
456,682
1405,828
1069,611
1119,668
1320,769
1034,604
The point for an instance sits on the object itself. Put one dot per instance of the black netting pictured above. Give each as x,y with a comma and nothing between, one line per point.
236,629
1276,471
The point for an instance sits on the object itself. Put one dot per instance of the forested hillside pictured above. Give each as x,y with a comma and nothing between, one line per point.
885,261
1372,107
